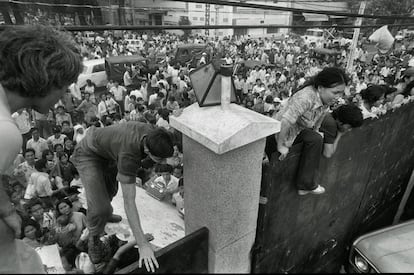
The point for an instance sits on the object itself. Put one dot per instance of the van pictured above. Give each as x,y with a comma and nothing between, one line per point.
313,36
94,70
88,37
115,66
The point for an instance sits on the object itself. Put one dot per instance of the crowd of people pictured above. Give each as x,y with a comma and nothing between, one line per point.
46,182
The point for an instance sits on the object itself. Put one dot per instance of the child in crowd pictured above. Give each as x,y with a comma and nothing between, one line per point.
167,179
67,169
30,232
65,231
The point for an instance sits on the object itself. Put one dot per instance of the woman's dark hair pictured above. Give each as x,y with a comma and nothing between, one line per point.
57,145
329,77
40,164
407,90
373,93
164,113
45,153
35,224
140,107
67,201
32,202
30,150
163,167
36,59
63,155
70,253
160,143
349,114
269,99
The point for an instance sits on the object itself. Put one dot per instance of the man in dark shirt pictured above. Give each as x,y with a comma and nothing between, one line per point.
110,154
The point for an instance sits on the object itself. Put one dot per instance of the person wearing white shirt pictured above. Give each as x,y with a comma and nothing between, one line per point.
37,143
128,80
56,138
22,119
137,92
107,106
118,92
75,91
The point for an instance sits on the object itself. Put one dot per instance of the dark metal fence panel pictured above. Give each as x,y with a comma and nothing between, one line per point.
187,255
365,180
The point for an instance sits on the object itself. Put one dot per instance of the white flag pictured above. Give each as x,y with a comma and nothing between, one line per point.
384,39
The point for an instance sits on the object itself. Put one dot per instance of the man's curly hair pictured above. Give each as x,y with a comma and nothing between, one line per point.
34,59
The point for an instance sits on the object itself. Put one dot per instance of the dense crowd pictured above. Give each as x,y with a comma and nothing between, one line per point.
45,187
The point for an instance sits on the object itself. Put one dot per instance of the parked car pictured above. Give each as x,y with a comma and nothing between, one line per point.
388,250
94,70
313,36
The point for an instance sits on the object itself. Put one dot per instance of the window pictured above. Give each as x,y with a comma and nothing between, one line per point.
98,68
272,30
201,18
195,18
225,20
199,6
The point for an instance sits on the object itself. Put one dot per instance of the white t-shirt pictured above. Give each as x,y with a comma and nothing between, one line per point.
59,140
23,121
118,92
137,93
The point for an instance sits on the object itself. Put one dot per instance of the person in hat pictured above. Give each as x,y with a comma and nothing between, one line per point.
38,63
111,154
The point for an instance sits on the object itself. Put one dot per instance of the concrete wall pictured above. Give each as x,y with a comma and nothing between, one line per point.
364,182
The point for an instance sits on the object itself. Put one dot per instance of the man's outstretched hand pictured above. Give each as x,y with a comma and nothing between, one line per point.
146,255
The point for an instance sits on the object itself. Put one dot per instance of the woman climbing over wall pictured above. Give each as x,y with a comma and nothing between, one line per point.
301,118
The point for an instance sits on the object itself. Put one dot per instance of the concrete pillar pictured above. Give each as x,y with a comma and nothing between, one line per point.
223,150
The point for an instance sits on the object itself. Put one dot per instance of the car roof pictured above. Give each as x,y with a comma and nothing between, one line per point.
125,58
319,30
94,61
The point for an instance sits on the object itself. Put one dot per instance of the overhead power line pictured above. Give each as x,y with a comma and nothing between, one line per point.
202,27
268,7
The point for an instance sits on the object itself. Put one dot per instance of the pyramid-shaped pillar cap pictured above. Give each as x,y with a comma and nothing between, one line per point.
224,129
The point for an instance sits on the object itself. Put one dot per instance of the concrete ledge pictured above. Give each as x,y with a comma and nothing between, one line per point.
224,129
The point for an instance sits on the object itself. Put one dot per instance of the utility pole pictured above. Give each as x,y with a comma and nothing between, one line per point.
217,18
207,17
354,44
